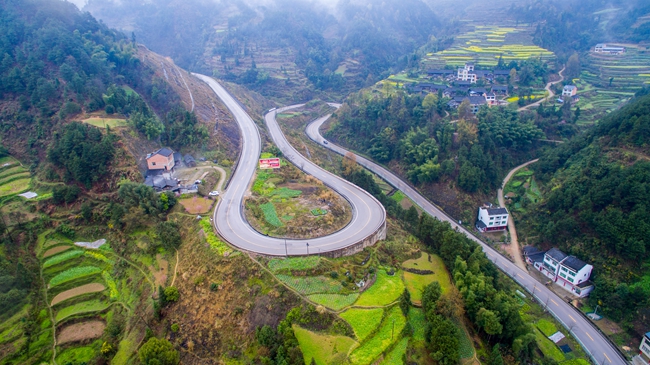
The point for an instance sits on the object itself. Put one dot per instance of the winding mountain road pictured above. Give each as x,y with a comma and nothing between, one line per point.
368,215
596,344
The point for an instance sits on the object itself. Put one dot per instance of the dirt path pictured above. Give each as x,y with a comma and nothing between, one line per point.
201,173
551,94
51,312
513,248
175,269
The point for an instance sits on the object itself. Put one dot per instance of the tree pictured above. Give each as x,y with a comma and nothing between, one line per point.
405,302
495,356
572,69
513,76
169,235
171,294
489,321
430,296
443,341
349,163
158,352
465,110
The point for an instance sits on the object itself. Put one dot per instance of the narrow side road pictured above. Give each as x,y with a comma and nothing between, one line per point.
551,94
513,248
599,348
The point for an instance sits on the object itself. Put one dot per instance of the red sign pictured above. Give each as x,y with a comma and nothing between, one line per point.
269,163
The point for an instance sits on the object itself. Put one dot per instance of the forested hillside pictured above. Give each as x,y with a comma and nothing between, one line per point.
408,133
284,47
596,192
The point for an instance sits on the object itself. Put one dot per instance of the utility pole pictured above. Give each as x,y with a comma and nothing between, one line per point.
286,252
307,248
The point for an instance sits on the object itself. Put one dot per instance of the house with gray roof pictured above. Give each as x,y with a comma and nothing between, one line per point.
569,272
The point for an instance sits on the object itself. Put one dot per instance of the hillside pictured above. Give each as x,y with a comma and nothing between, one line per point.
595,193
285,48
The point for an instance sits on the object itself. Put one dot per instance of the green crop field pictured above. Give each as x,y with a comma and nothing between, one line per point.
485,44
73,274
385,290
334,301
575,362
548,348
215,243
76,355
398,196
418,323
106,122
14,187
396,355
546,326
363,321
415,284
62,257
312,285
324,349
94,305
466,349
294,263
271,215
388,333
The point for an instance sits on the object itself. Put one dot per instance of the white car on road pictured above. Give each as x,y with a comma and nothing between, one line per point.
213,193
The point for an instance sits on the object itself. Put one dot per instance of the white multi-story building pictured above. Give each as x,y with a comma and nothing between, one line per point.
467,73
569,272
492,219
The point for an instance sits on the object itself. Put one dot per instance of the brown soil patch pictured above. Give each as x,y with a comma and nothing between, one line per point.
80,331
55,250
84,289
162,273
196,205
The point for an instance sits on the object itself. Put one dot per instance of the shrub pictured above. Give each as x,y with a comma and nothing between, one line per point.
175,327
158,352
171,294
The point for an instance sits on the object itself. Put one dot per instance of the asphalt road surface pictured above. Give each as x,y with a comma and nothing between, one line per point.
368,214
596,344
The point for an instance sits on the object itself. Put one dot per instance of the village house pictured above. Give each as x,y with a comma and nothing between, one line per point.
569,272
440,74
491,98
612,50
492,219
163,159
189,161
499,89
532,254
569,90
475,102
467,73
644,348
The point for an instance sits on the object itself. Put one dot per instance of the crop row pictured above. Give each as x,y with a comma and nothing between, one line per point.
294,263
73,274
390,331
62,257
271,215
216,244
312,285
334,301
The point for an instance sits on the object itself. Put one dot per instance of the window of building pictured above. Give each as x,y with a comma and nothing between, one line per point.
491,218
562,275
491,223
504,222
564,269
153,164
571,273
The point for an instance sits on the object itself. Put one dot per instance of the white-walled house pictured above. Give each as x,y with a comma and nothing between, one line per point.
569,90
569,272
492,219
644,348
604,48
467,73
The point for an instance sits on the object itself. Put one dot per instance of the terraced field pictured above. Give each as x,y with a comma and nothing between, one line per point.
486,43
627,72
14,178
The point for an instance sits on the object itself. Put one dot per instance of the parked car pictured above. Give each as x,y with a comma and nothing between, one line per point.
324,142
197,182
213,193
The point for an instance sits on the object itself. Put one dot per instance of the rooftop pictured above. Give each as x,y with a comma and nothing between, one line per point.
496,211
556,254
531,250
574,263
569,87
165,151
586,284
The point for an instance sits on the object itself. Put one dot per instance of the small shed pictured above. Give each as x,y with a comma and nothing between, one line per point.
189,161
